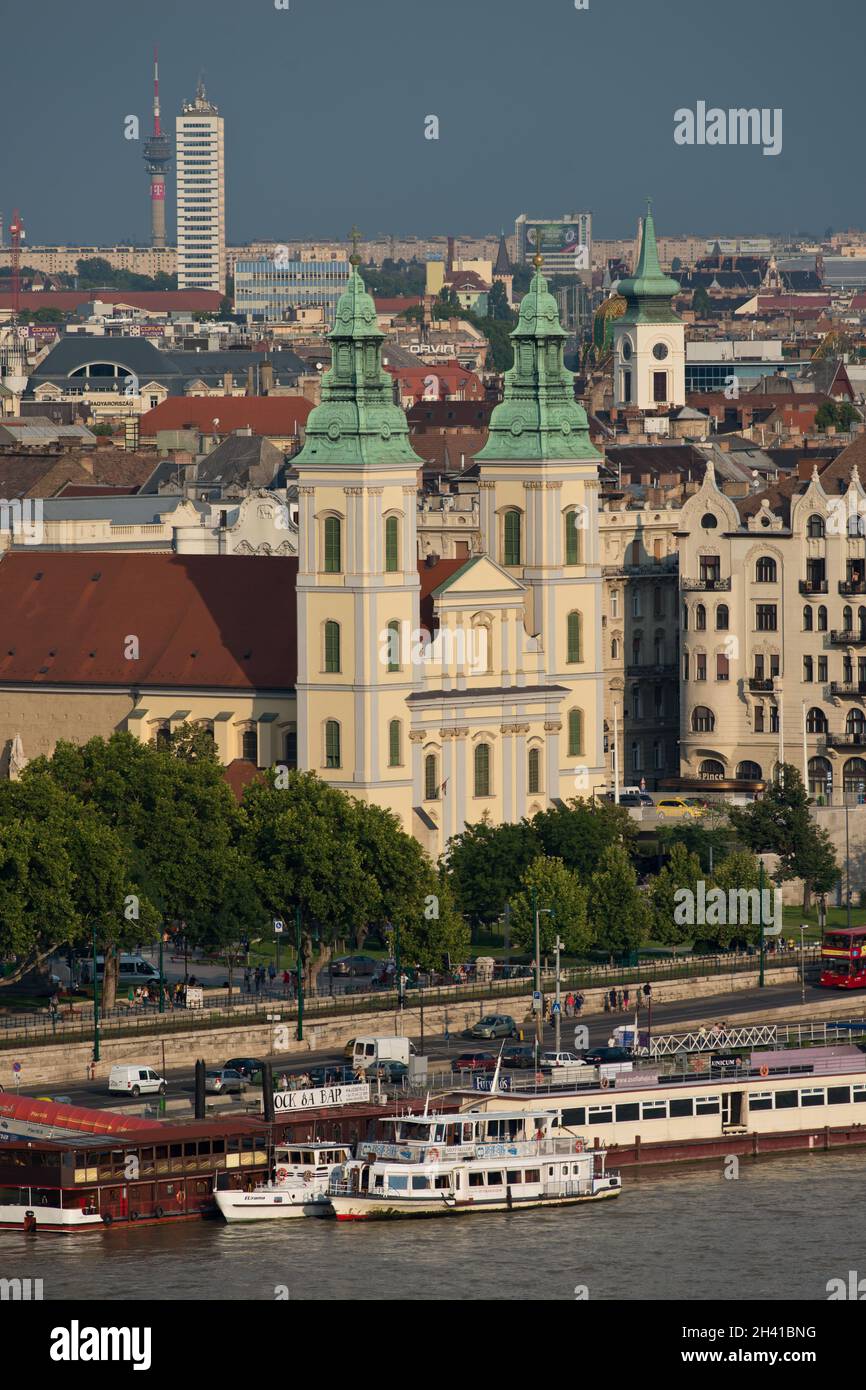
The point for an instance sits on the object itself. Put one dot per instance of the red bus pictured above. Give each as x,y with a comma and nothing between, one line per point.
843,958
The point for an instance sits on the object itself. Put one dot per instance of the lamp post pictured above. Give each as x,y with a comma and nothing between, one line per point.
761,980
536,913
161,974
95,1001
803,926
557,1013
300,969
847,872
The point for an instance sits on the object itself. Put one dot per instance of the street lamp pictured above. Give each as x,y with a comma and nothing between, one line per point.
95,1001
803,926
300,969
536,913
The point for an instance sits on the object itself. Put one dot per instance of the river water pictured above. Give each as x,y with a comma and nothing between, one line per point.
778,1231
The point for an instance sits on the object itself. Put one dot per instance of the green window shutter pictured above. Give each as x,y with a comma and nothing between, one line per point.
512,538
394,743
332,744
573,643
431,778
482,769
572,539
534,771
333,545
393,646
575,732
392,545
332,646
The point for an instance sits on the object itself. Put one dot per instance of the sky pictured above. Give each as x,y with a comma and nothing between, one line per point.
542,108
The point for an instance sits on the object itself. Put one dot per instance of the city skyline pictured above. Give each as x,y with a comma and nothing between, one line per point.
510,130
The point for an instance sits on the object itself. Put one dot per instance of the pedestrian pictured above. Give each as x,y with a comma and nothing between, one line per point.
258,980
647,992
621,1001
247,989
578,1004
612,997
287,980
272,974
569,1005
625,995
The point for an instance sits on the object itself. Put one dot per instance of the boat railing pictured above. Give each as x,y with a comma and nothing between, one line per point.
431,1152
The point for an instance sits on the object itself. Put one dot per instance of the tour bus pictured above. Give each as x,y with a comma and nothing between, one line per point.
843,958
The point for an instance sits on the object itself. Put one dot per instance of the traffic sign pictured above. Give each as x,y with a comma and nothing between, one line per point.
536,1001
16,1066
279,925
556,1009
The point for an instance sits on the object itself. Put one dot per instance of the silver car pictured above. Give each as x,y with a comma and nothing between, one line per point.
225,1081
495,1026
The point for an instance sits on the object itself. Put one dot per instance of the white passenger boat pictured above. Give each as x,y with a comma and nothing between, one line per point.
451,1164
298,1186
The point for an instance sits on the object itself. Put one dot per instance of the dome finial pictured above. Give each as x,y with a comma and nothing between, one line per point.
538,259
355,259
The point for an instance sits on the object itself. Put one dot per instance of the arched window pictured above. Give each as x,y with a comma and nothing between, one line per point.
711,770
394,645
250,746
431,778
394,758
392,544
333,545
822,619
636,756
482,769
574,642
808,618
854,779
685,617
855,722
749,772
700,618
332,646
575,732
815,528
534,771
163,736
332,744
572,538
703,720
816,721
847,617
511,536
821,777
855,525
765,570
722,618
614,650
290,748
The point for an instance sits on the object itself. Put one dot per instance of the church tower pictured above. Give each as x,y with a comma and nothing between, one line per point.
538,479
649,339
358,585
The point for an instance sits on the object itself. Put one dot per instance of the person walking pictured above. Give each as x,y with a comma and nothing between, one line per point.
578,1004
272,975
612,997
247,986
569,1005
625,995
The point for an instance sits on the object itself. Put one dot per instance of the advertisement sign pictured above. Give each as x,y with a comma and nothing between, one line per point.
194,997
320,1096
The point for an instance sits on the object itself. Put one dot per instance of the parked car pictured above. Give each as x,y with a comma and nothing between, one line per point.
495,1026
560,1059
354,965
676,808
635,799
603,1056
333,1074
521,1055
247,1066
136,1081
474,1061
394,1073
226,1081
349,1049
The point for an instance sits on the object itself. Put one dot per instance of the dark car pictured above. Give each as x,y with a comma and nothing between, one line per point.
337,1074
355,965
474,1061
603,1056
393,1073
247,1066
521,1055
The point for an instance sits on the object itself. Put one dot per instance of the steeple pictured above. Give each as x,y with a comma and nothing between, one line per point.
357,420
539,417
503,264
648,293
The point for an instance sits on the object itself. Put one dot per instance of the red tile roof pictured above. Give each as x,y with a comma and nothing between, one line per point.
264,415
201,620
160,301
239,773
397,304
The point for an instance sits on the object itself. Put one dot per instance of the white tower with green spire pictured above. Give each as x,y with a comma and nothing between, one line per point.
649,339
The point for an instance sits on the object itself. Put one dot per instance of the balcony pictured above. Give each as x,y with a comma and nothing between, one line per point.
856,740
852,586
847,637
652,670
813,586
705,586
848,689
762,684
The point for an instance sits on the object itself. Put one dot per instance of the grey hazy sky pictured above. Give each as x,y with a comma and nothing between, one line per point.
542,109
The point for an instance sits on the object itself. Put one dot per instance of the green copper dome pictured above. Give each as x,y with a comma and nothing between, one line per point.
357,421
648,293
539,417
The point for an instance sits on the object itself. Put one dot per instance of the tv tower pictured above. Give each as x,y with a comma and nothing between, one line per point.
157,159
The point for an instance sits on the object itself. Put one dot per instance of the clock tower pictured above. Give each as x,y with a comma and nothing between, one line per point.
649,339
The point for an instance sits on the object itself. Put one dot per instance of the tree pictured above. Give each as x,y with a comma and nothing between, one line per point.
439,937
562,901
498,307
780,823
485,866
739,873
501,355
702,305
619,914
581,831
682,872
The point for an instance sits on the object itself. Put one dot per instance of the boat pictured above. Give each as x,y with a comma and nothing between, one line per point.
298,1186
461,1162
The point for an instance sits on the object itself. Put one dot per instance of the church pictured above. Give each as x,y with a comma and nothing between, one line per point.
442,689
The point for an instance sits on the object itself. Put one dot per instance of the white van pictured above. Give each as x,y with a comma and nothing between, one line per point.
131,970
136,1081
371,1050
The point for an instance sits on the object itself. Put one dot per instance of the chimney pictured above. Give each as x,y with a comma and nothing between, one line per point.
449,264
86,462
266,378
228,383
251,387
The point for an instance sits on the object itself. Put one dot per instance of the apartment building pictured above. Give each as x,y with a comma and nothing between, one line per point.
201,230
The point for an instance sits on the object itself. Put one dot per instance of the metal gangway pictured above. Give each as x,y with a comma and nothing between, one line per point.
710,1039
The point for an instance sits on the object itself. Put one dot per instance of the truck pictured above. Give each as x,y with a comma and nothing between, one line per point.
368,1051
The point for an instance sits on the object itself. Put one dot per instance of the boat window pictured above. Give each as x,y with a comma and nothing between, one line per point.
494,1179
706,1105
513,1176
532,1175
398,1182
219,1146
575,1168
379,1181
573,1117
654,1110
859,1094
476,1179
786,1100
442,1180
628,1112
175,1150
761,1100
838,1095
681,1106
600,1114
420,1184
189,1150
294,1155
814,1096
439,1134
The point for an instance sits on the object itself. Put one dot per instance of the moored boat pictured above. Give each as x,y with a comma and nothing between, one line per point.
298,1186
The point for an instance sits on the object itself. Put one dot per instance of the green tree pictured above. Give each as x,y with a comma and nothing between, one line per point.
738,873
501,355
619,914
579,832
682,871
780,823
702,305
562,902
498,307
485,866
439,936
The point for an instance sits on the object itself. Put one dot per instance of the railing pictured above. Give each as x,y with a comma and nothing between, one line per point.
709,586
854,689
852,586
847,637
813,586
657,668
855,740
762,683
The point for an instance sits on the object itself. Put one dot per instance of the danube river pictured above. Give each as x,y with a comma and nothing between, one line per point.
780,1230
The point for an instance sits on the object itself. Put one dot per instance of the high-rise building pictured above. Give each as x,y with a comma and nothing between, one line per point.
566,242
201,229
157,159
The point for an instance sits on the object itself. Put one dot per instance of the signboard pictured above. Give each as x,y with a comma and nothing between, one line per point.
485,1083
279,925
320,1096
536,1001
194,997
